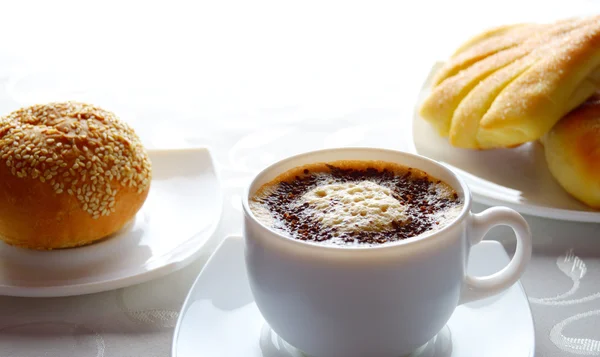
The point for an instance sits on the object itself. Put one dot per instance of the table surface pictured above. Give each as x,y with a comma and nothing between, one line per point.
255,82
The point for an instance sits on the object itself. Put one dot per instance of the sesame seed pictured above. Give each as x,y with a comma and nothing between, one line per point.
55,153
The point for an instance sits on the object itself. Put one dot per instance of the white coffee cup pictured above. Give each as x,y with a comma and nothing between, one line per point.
378,301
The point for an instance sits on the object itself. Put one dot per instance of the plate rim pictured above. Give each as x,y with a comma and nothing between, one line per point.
104,285
239,238
560,214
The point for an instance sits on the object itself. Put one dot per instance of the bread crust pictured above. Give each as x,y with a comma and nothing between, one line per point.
572,150
512,86
70,174
33,216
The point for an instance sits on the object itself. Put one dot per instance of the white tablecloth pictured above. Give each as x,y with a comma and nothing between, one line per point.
255,82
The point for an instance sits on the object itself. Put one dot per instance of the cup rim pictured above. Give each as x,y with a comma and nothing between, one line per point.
466,195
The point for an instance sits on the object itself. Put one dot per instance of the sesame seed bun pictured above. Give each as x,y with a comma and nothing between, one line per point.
572,150
70,174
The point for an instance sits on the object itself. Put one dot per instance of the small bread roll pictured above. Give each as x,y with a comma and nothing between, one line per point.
572,150
511,85
70,174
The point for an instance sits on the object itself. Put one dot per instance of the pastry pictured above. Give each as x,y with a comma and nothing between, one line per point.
70,174
484,45
511,85
572,150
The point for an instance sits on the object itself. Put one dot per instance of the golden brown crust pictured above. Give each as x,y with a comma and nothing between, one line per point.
70,174
572,151
553,86
485,45
468,120
440,106
518,93
491,33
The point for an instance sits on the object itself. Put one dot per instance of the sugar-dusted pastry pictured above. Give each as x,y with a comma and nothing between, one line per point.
572,151
70,174
512,85
484,45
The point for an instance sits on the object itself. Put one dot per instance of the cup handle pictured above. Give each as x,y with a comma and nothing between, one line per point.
476,288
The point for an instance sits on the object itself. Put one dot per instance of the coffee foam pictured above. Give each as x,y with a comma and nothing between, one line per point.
354,206
445,217
348,207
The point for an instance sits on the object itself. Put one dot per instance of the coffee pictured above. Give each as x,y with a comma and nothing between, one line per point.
355,203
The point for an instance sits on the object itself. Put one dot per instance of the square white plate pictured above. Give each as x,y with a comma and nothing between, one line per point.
180,214
220,318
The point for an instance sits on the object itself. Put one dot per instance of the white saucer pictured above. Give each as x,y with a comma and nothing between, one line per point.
518,178
220,318
180,214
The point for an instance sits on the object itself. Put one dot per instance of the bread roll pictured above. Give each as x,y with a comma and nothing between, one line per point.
70,174
512,86
572,150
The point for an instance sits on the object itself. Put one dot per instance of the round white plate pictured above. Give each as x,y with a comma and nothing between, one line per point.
518,178
180,214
